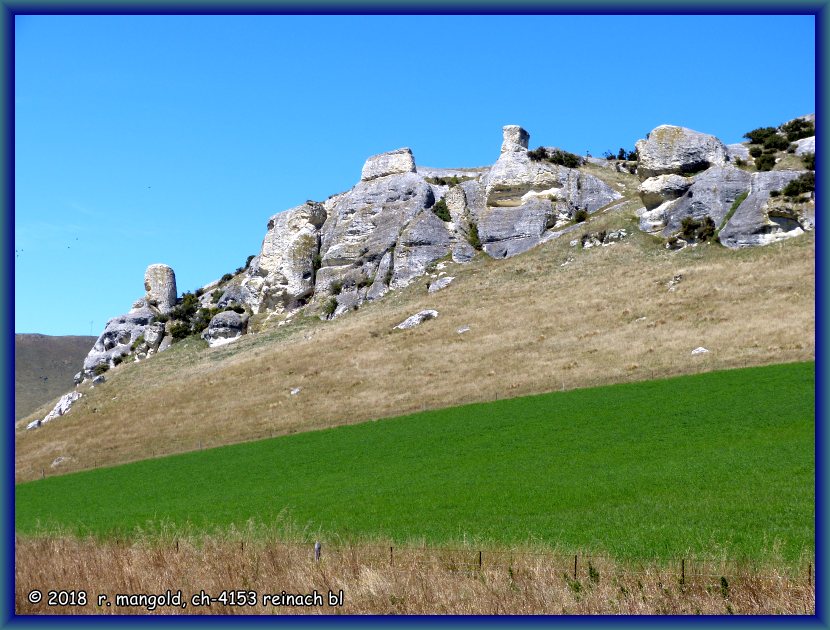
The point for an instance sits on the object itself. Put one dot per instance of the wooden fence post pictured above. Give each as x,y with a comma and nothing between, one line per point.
575,555
683,570
390,557
809,573
479,560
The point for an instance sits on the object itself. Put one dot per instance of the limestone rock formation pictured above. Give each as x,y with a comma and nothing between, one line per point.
282,276
711,194
760,220
128,333
116,341
805,146
417,319
671,149
523,197
656,190
160,285
225,327
390,163
440,283
515,139
61,408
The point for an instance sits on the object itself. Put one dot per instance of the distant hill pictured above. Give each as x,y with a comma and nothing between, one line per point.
44,367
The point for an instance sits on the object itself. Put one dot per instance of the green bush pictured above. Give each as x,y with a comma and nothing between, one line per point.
186,308
580,215
803,184
809,160
179,330
707,229
226,277
740,162
538,154
100,368
161,318
689,227
765,162
329,307
792,148
336,287
248,260
472,236
236,308
756,151
563,158
759,135
798,129
774,193
216,296
776,142
442,211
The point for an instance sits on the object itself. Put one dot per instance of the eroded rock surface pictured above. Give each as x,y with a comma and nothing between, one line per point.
671,149
225,327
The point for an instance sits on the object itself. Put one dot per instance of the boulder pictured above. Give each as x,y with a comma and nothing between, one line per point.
61,408
514,139
805,146
117,339
737,151
671,149
657,190
421,243
99,380
417,319
282,276
760,220
390,163
711,194
700,350
160,285
440,283
225,327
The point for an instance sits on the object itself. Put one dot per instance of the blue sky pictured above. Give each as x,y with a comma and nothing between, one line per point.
173,138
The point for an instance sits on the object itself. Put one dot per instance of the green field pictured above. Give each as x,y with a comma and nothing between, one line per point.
718,464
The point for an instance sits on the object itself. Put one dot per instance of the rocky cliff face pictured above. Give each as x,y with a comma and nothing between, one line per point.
399,219
690,177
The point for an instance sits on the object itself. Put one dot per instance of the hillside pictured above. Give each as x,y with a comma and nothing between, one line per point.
43,368
555,317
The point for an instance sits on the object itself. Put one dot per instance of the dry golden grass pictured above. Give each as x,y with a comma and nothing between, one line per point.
414,581
536,325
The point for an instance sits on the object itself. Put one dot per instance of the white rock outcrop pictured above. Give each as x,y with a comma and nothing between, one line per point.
656,190
282,276
225,327
389,163
61,408
671,149
160,285
417,319
515,139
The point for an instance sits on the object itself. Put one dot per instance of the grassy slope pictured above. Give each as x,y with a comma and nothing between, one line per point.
536,324
718,462
43,368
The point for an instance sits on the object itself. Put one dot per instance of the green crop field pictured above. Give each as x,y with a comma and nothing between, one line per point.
715,464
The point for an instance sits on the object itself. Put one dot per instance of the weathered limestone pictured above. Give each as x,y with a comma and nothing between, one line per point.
224,328
760,220
671,149
61,408
440,283
805,146
711,194
417,319
656,190
116,341
160,285
514,140
390,163
282,276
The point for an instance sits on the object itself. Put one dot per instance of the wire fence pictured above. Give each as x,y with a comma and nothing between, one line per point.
576,566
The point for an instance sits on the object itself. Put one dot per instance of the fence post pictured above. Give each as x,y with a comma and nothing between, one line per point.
390,557
42,473
809,574
479,560
575,555
683,570
177,545
242,546
317,549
